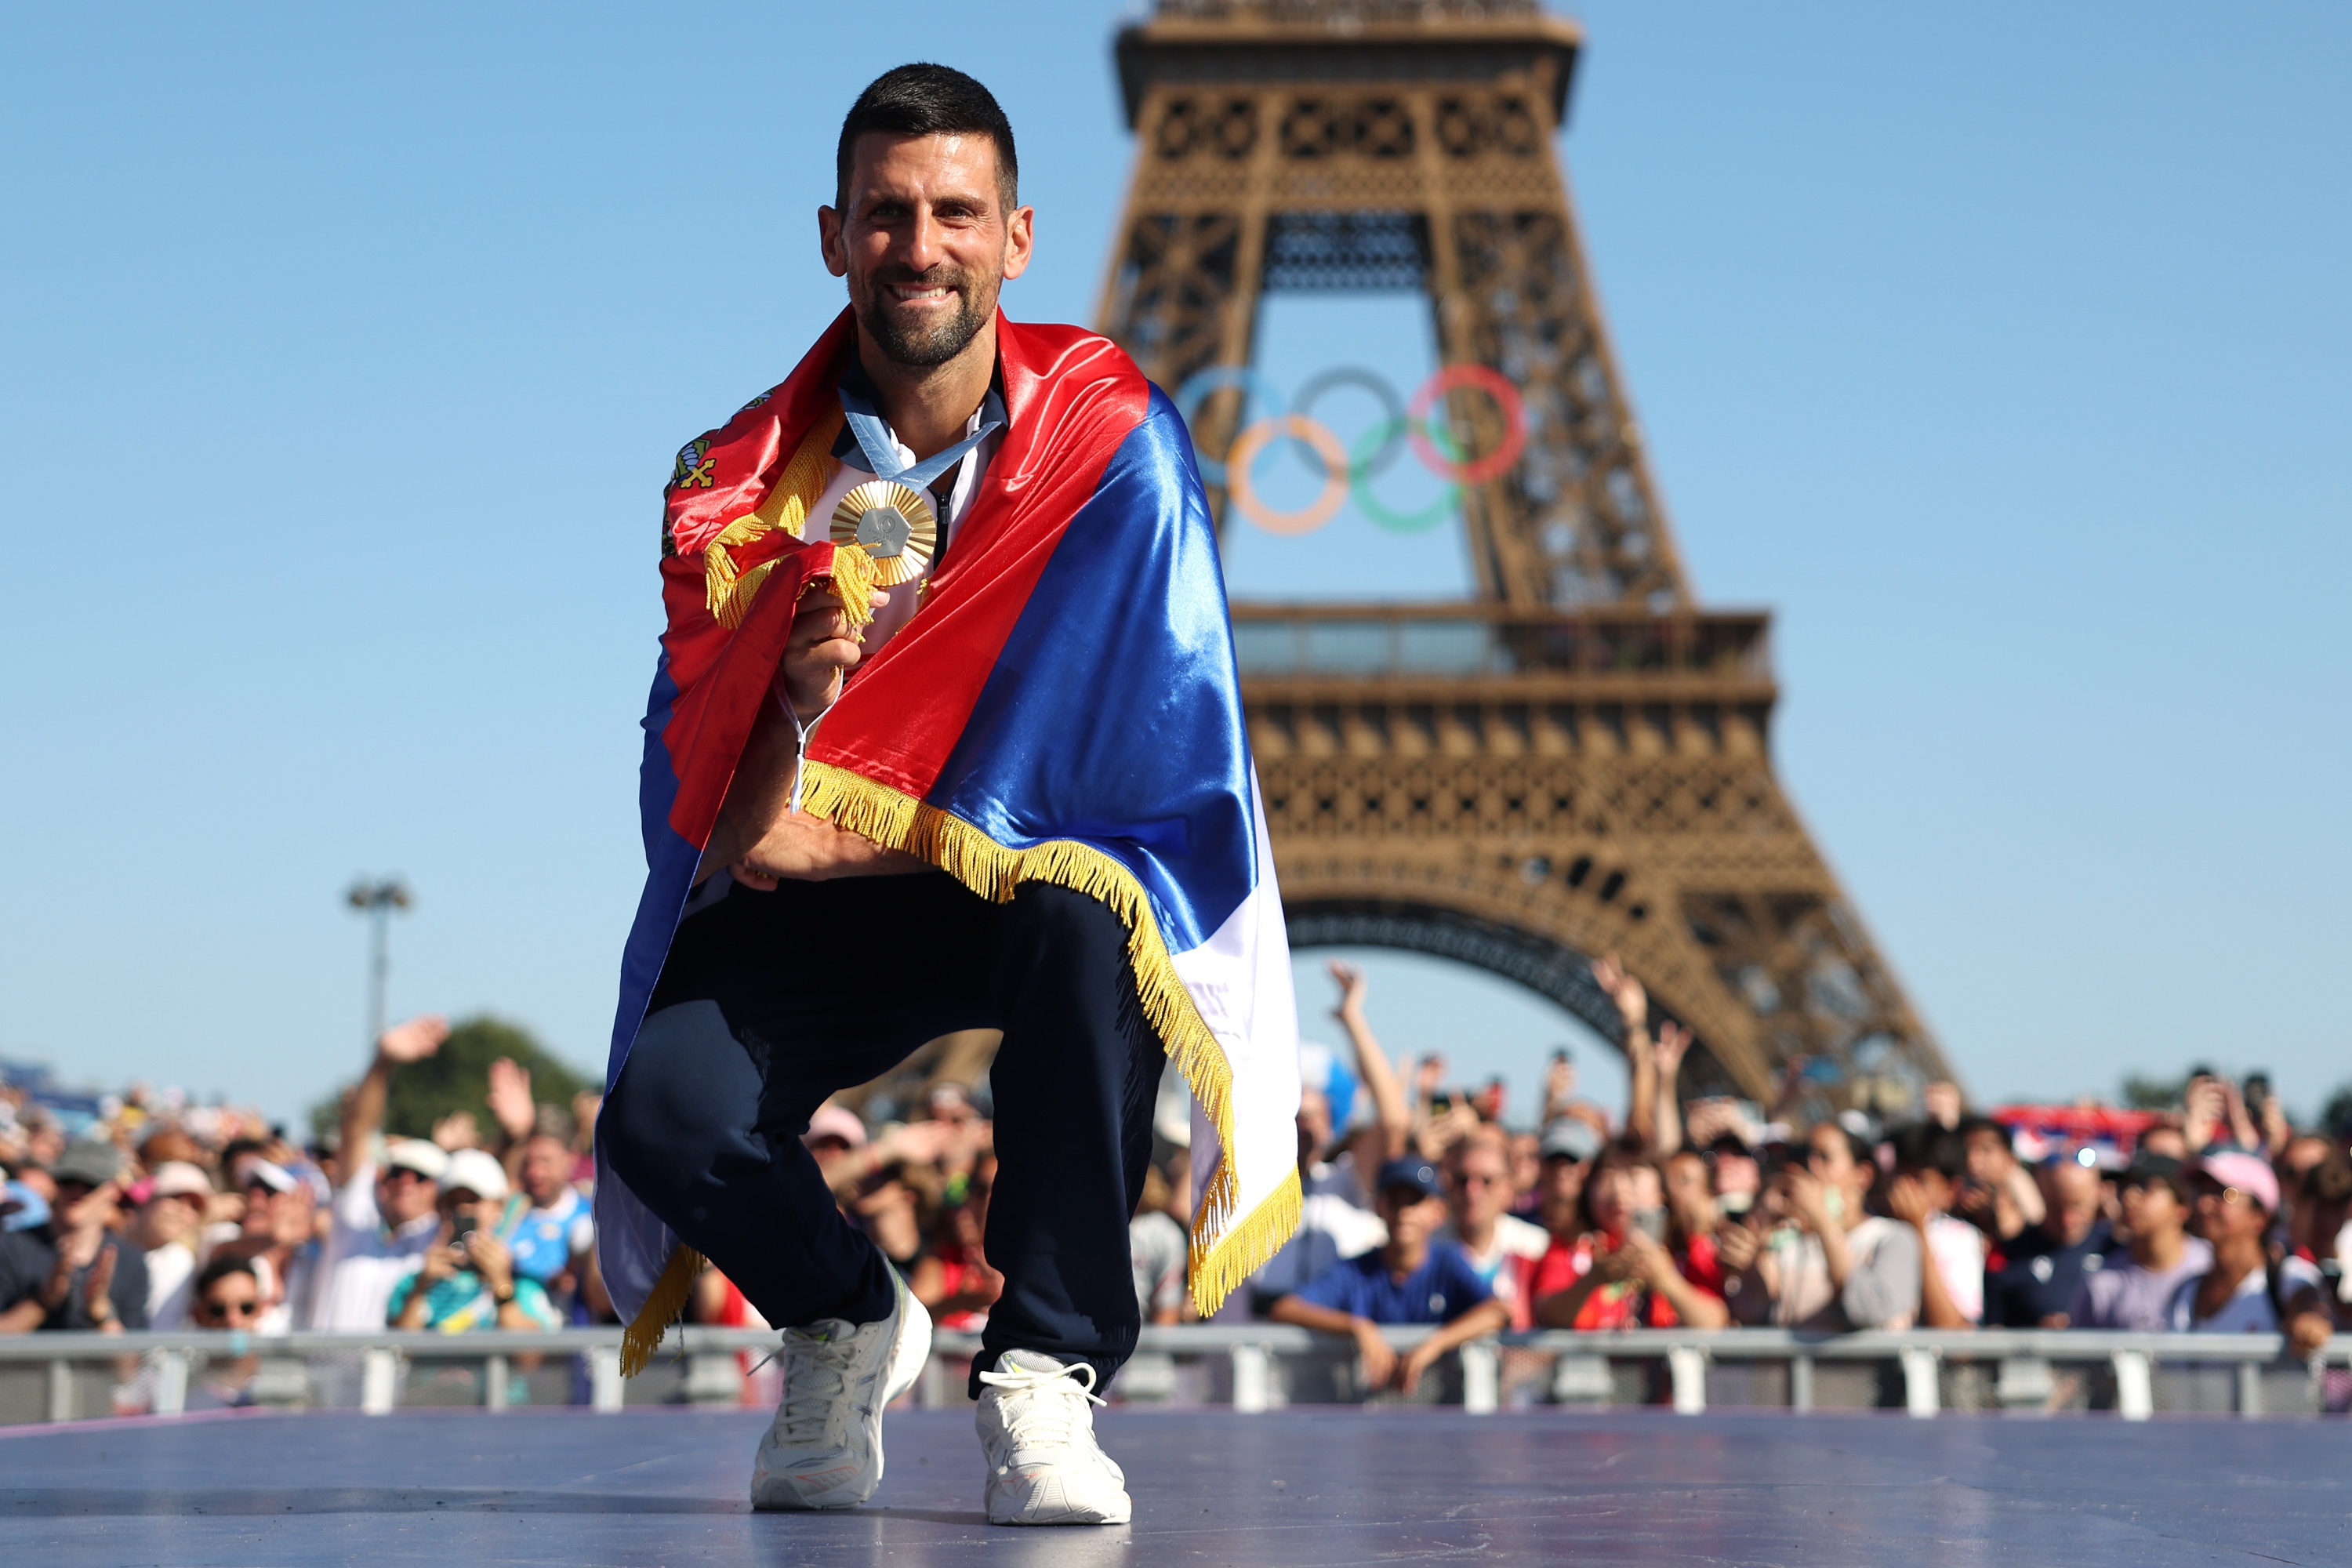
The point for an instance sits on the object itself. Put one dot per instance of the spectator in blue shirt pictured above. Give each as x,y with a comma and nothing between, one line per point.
1416,1277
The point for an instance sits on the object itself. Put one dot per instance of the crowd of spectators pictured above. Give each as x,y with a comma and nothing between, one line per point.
2220,1217
1422,1205
154,1215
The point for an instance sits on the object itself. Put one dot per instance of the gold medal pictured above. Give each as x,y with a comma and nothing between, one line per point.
894,526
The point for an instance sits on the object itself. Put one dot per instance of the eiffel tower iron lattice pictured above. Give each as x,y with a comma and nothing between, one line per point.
1577,762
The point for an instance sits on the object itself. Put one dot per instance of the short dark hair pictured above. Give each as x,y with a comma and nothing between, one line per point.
927,101
1970,1126
1625,1154
220,1268
1929,1146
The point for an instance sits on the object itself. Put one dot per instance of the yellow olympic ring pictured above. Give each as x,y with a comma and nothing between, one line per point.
1336,475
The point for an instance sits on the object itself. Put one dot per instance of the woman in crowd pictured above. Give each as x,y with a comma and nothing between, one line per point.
2247,1291
1629,1269
1812,1256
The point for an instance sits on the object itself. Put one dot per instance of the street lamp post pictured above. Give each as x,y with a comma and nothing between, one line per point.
377,899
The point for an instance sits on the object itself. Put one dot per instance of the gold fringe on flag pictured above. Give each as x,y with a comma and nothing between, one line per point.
665,1306
854,584
898,821
786,506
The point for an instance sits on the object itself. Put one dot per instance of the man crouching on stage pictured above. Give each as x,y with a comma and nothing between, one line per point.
988,475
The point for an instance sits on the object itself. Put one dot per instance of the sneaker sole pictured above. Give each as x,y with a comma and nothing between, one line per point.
1060,1511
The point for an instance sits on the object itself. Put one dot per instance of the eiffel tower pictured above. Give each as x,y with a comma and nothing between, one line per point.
1578,760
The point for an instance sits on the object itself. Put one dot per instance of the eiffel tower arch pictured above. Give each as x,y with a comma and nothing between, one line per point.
1578,760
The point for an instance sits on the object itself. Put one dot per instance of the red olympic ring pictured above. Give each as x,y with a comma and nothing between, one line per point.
1336,474
1494,463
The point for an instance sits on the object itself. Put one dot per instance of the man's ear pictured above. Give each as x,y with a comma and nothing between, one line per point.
1020,241
830,243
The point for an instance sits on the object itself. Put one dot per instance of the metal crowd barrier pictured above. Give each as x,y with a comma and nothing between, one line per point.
1251,1367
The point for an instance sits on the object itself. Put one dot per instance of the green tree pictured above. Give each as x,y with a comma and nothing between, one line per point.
2153,1093
457,1078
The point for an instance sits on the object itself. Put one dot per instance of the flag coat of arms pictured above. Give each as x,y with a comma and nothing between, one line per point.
1064,707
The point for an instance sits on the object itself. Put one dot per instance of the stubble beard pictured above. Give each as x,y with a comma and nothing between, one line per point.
923,349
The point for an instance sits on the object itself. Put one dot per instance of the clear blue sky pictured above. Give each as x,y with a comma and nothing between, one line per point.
2000,350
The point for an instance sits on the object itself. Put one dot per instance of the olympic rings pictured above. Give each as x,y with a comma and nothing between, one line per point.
1307,518
1494,463
1347,474
1216,378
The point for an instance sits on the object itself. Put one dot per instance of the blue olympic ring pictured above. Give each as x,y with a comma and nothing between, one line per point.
1217,378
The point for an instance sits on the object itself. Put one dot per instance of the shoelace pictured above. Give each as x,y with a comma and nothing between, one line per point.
816,1384
1035,1421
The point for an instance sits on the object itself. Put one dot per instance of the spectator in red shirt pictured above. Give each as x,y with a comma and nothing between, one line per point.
1626,1271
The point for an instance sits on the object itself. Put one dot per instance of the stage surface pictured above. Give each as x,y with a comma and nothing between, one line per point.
665,1488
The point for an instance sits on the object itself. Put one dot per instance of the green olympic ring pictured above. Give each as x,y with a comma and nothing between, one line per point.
1367,448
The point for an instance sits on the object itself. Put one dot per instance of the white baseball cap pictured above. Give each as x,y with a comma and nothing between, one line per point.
426,1159
477,1173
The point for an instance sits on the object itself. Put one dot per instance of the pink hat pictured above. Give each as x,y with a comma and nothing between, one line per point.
834,1121
2250,1174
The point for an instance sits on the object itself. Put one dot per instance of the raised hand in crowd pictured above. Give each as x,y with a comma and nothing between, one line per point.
1559,1085
412,1039
1712,1116
2204,1111
1427,1074
1673,1043
956,1143
1392,1117
1441,1132
511,1106
1633,1002
2237,1118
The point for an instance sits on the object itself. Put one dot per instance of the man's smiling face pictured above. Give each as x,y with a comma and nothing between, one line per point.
926,240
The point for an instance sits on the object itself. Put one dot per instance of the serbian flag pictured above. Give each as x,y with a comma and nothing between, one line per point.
1064,707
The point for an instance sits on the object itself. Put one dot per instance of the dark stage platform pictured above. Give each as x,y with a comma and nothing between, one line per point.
1210,1487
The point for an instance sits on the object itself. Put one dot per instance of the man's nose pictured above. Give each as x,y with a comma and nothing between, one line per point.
924,249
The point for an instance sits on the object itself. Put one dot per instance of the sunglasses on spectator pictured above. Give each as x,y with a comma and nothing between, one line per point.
401,1172
228,1309
2224,1195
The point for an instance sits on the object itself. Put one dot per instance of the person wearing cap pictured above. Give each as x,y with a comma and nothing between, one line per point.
1567,1150
1415,1277
2245,1291
384,1217
467,1279
278,1238
168,1228
76,1271
2133,1286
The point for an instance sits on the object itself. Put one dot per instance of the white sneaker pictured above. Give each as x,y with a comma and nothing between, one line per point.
825,1448
1037,1430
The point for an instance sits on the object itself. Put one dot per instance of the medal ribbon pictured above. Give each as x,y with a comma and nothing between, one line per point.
881,449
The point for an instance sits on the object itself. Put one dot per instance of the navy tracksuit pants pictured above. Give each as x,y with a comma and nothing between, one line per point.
771,1002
